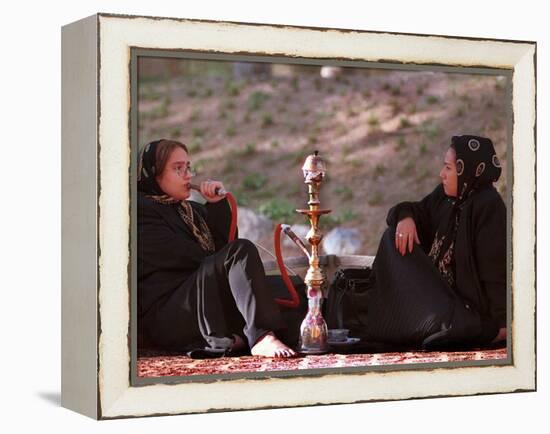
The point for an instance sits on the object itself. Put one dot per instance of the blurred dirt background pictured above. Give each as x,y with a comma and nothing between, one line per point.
383,133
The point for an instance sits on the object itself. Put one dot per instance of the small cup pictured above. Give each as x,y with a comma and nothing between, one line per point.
338,335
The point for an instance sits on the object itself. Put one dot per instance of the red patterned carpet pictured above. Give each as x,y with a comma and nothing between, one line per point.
160,366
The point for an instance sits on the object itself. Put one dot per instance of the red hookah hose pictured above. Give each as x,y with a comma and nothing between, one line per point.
233,225
294,301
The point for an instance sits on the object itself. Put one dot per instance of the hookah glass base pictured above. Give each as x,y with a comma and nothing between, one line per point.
313,330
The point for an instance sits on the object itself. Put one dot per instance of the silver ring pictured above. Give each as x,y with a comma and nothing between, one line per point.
400,235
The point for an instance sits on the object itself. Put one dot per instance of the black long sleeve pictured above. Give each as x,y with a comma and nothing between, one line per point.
218,219
423,212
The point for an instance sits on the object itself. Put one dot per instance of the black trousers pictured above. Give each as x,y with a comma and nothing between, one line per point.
226,295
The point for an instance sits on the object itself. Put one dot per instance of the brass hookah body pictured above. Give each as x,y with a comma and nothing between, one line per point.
313,330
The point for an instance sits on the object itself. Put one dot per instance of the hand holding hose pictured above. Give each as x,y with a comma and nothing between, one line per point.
212,191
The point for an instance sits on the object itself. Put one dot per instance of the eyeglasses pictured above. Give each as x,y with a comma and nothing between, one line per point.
182,171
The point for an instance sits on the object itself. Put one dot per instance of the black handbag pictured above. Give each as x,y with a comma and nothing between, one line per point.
346,305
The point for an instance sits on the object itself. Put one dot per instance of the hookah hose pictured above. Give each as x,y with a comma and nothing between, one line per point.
233,225
294,301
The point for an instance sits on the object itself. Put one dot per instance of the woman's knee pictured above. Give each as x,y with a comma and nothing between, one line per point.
243,246
243,243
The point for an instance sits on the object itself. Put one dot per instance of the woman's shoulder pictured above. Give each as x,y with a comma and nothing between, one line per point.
148,207
488,197
145,202
488,203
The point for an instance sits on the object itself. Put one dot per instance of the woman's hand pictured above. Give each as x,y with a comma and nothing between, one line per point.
406,235
208,190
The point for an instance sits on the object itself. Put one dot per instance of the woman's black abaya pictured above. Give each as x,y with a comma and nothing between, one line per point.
424,299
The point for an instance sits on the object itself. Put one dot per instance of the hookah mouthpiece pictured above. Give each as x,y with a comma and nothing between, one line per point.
219,191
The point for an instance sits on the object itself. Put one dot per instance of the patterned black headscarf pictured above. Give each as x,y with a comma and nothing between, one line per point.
477,167
147,170
477,164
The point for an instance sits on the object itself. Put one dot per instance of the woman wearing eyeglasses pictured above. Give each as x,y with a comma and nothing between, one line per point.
196,291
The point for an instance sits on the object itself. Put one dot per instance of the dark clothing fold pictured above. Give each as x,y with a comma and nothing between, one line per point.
188,299
411,304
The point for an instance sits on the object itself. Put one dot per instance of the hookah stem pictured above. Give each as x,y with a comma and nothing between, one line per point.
294,301
232,203
290,233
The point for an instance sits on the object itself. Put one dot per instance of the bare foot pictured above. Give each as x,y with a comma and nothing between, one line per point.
269,346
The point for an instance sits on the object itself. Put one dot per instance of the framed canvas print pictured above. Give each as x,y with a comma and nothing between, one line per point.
261,216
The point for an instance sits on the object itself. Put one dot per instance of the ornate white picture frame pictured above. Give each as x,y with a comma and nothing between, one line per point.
96,247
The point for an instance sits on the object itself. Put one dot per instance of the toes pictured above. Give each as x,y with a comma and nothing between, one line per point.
281,353
270,346
287,352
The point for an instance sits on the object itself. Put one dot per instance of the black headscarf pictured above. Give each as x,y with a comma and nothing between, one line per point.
477,167
147,170
147,184
477,164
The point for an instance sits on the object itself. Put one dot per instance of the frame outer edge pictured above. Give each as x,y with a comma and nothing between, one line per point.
79,217
124,401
